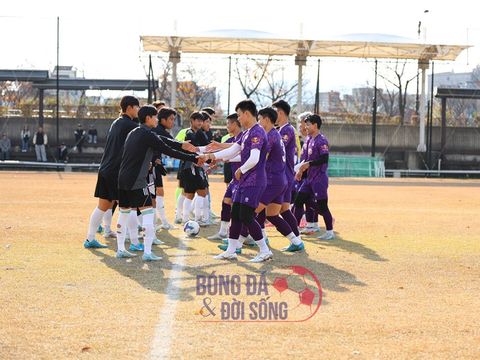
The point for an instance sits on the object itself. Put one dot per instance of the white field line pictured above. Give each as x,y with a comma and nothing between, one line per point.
162,339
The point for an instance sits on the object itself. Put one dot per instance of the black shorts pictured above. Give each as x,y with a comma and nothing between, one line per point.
193,182
134,198
158,175
107,187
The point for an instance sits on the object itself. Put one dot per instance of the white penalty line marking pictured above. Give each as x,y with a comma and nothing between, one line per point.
162,339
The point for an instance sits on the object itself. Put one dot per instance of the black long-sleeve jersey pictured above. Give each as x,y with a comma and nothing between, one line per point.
162,131
198,138
137,154
112,154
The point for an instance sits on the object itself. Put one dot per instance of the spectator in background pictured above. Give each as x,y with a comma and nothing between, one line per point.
63,152
40,140
159,104
92,135
79,138
5,147
25,137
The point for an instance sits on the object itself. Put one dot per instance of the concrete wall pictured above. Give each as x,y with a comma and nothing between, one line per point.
395,141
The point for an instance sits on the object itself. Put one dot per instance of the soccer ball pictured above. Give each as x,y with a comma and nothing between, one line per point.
191,228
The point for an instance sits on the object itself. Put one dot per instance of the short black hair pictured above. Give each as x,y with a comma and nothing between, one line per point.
144,111
270,113
314,119
209,110
206,115
247,105
282,105
233,118
127,101
197,115
165,112
159,103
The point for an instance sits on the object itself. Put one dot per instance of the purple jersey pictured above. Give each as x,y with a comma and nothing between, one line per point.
253,138
317,146
275,165
236,164
288,136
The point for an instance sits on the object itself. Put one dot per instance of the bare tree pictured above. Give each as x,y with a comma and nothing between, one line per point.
277,87
250,74
401,84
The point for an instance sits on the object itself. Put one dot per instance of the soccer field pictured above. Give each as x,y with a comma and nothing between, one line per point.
401,280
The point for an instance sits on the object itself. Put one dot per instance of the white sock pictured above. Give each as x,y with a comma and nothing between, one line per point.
149,230
224,227
133,227
330,232
199,204
206,208
122,228
192,208
309,224
140,220
262,244
264,233
161,209
107,220
95,220
294,239
315,224
179,209
187,206
240,241
233,245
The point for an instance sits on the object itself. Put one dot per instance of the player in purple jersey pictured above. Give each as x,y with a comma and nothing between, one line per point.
272,198
252,180
311,215
316,182
288,136
235,131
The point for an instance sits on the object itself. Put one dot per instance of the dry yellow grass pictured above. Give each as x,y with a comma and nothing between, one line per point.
401,281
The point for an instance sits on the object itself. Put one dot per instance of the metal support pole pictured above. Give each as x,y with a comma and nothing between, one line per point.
423,65
443,140
374,111
229,81
40,107
58,80
317,91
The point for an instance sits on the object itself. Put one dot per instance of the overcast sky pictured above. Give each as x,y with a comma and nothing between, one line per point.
101,38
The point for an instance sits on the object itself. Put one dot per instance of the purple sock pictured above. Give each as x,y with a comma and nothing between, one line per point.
281,225
261,216
235,228
322,208
311,215
255,230
226,212
291,220
244,231
298,214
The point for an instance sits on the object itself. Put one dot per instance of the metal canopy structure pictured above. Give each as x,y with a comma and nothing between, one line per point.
286,47
452,93
40,80
92,84
248,42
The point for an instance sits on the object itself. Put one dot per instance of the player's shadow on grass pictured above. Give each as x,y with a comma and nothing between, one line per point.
154,275
346,245
150,275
